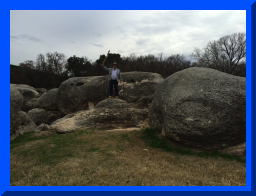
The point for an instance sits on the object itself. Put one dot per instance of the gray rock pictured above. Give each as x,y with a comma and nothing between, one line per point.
16,100
138,84
42,127
77,93
27,91
22,86
41,91
48,100
37,115
237,150
109,114
29,105
26,124
52,116
201,107
143,102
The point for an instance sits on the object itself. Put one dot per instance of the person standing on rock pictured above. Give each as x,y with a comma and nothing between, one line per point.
114,76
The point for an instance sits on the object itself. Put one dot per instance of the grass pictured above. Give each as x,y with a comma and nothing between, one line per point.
117,158
152,138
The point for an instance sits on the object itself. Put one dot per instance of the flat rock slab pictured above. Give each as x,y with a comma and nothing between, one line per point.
110,113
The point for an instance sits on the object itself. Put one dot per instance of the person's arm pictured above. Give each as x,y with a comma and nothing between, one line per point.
107,69
120,76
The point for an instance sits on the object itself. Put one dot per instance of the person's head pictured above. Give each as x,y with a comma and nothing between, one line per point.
114,65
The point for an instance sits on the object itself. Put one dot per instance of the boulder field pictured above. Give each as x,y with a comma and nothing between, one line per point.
198,107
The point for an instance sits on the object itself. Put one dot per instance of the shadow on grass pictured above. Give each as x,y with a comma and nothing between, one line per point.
150,137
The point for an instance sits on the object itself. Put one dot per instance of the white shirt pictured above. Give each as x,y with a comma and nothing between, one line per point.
114,74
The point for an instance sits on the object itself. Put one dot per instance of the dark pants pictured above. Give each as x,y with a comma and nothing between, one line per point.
111,84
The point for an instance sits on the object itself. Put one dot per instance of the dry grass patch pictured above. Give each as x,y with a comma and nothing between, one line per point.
102,158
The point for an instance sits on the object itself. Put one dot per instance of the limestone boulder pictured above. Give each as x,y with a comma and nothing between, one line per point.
79,93
16,100
137,85
143,102
238,150
29,105
37,115
22,86
42,127
27,91
52,116
26,124
41,91
48,100
201,107
110,113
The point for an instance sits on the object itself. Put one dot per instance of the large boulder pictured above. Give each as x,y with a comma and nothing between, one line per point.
110,113
29,105
137,85
37,115
48,100
201,107
52,116
41,91
26,124
22,86
16,100
27,91
78,93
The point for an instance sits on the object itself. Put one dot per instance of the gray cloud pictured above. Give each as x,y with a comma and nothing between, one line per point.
97,45
25,37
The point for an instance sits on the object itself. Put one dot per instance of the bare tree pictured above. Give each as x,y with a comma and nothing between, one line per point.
41,64
56,62
28,64
223,54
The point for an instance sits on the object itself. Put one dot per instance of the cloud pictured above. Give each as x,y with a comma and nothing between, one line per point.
97,45
25,37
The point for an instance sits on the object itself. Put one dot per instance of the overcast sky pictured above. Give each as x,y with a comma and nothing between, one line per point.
93,33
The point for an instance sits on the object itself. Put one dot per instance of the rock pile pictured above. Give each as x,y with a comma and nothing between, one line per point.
199,107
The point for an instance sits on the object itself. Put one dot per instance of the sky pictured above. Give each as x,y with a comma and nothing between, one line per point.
92,33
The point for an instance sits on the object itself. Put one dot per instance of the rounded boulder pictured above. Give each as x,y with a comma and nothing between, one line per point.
201,107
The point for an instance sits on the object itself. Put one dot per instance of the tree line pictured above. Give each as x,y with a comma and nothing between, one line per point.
226,54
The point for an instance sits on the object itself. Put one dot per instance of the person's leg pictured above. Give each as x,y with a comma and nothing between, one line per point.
116,87
111,88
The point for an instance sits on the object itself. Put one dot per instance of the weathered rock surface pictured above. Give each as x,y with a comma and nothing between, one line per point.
42,127
77,93
26,124
136,85
27,91
16,100
29,105
144,102
237,150
37,115
48,100
52,116
22,86
41,91
201,107
110,113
